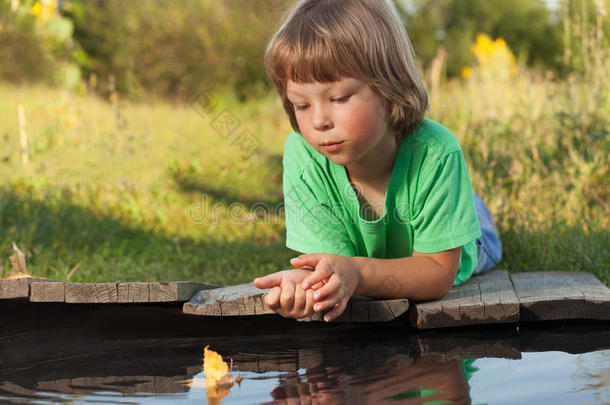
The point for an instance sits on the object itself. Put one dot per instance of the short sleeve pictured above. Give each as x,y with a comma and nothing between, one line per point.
311,224
445,217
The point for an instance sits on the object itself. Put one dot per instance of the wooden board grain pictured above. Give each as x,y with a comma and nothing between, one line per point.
246,299
48,291
483,299
84,293
554,295
241,299
112,293
11,288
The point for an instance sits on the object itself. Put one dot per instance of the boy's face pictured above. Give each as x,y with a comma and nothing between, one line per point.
348,113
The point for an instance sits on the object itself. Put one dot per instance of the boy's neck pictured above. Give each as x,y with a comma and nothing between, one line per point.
375,168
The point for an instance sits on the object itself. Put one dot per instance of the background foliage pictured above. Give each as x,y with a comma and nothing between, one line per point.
157,48
122,101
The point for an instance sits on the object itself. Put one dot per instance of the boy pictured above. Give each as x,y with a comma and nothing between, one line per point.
376,195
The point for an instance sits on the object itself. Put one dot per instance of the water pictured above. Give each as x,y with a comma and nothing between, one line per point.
58,353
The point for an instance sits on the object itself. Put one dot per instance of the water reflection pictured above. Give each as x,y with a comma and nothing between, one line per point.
132,354
593,375
426,379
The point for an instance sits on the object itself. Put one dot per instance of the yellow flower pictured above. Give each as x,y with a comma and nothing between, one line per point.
493,56
50,6
36,9
43,10
466,72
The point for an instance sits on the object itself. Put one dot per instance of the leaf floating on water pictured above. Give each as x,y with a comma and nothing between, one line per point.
218,380
213,366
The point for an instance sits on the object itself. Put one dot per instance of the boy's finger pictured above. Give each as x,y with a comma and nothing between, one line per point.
329,289
336,311
319,274
287,296
268,281
309,302
272,299
328,303
310,259
299,299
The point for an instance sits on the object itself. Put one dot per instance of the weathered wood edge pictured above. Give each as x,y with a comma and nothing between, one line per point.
494,297
113,292
13,288
483,299
560,295
246,299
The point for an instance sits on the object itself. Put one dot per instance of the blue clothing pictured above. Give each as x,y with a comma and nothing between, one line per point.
489,247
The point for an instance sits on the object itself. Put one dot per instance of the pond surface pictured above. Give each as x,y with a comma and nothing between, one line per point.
70,353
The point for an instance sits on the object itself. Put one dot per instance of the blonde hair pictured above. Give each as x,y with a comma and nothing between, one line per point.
326,40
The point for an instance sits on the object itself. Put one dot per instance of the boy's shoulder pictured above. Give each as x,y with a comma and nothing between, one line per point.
434,139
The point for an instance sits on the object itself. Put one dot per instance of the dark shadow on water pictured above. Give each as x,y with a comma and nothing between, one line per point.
135,349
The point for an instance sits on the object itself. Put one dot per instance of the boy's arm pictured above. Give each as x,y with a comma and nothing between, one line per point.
423,276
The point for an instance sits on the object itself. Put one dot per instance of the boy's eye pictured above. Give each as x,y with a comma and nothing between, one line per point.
305,106
342,99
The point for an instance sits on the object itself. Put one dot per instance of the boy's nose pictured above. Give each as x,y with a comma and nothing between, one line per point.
321,120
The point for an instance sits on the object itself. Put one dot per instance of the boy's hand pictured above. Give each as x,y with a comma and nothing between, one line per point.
341,279
286,296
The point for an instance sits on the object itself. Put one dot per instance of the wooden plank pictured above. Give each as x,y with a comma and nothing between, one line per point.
367,311
360,312
109,293
241,299
48,291
174,291
11,288
246,299
484,299
87,293
133,292
553,295
163,292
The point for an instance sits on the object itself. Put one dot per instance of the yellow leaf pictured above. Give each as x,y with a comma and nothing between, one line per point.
218,381
213,366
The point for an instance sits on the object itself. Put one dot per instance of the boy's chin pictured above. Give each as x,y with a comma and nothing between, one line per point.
339,159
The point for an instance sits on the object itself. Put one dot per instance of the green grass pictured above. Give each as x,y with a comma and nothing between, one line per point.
109,188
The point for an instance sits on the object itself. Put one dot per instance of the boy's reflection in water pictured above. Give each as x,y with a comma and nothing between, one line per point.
429,380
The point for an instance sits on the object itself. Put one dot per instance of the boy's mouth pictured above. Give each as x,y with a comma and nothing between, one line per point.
327,143
332,146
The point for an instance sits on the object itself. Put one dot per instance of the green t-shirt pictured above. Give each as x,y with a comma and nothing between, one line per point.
429,205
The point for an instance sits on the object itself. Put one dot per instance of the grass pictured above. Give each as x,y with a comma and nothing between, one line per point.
120,190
